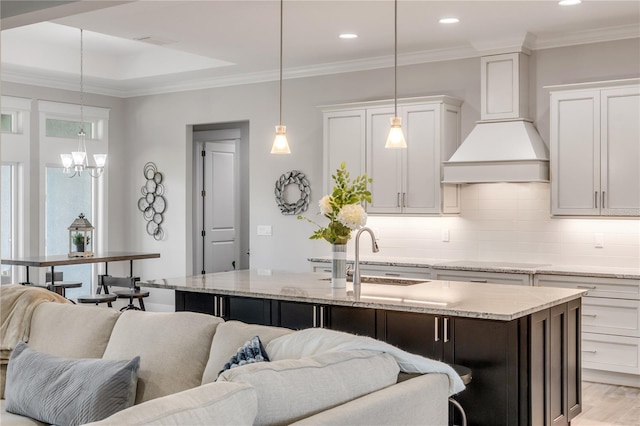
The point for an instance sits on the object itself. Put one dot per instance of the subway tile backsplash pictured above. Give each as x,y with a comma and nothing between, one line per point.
509,222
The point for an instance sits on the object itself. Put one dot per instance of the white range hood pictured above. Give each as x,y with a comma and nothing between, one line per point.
504,146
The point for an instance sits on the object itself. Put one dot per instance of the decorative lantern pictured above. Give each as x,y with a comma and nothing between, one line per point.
81,238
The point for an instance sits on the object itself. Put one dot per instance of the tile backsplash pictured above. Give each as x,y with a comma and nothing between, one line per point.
509,222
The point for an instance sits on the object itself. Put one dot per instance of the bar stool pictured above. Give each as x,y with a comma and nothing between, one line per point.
465,375
57,284
132,291
97,299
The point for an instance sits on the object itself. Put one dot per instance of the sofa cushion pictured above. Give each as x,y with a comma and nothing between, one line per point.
173,348
289,390
10,419
213,404
229,337
68,392
71,331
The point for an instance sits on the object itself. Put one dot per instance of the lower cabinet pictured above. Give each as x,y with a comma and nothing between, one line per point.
524,372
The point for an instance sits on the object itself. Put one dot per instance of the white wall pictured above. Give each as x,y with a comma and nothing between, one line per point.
156,128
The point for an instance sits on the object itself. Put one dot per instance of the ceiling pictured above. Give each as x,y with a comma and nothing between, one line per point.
134,48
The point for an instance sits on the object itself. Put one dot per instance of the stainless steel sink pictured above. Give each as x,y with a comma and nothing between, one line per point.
373,279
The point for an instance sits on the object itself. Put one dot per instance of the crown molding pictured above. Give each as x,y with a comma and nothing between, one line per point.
178,82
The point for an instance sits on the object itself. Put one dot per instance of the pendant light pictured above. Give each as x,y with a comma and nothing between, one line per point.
396,136
78,158
280,143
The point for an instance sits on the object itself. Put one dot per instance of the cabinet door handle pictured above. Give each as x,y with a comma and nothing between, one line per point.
587,287
315,316
436,331
327,270
391,274
589,315
603,198
478,281
222,313
398,200
321,316
595,197
445,326
215,306
404,199
590,352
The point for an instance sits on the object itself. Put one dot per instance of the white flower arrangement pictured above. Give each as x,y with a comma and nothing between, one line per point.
343,207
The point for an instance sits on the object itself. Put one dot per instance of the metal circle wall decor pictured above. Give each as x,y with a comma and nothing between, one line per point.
293,177
152,204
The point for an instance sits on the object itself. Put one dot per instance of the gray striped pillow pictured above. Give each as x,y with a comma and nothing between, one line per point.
64,391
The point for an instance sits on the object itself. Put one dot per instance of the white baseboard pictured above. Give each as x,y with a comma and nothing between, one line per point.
609,377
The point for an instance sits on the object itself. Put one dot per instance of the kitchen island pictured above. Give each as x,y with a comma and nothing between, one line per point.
521,343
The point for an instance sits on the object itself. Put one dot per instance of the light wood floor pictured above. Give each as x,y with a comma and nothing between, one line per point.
608,405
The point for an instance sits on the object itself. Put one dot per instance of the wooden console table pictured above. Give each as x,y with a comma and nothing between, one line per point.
63,260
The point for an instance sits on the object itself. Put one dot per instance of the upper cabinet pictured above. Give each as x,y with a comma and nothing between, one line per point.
404,180
595,149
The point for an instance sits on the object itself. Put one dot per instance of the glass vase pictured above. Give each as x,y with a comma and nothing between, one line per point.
338,265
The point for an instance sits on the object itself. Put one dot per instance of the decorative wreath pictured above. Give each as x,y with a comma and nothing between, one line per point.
293,177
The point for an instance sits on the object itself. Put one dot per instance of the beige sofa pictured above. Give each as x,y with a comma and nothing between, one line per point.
181,354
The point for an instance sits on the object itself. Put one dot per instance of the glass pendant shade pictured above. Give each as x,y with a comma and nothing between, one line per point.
280,144
78,158
100,159
396,136
67,160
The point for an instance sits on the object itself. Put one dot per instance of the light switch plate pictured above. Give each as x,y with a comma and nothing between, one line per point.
445,235
264,229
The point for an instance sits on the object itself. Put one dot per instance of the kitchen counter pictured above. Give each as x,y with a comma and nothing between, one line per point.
496,266
461,299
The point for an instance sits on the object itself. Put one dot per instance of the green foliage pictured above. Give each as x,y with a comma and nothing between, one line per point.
345,192
78,239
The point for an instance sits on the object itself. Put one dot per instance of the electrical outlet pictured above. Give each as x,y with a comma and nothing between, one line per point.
445,235
264,229
598,240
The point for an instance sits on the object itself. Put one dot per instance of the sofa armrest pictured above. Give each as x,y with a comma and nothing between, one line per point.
418,401
218,403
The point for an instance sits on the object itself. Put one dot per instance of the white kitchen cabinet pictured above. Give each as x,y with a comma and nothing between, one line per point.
344,140
482,277
409,180
610,326
379,270
595,149
404,181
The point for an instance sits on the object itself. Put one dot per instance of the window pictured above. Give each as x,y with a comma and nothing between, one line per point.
6,123
65,199
6,220
67,129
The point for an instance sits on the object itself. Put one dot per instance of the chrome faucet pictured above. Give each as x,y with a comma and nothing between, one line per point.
374,248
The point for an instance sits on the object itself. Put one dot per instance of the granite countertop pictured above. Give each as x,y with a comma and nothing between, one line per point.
496,266
451,298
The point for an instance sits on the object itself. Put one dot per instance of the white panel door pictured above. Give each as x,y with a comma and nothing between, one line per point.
220,245
620,141
383,165
421,175
575,153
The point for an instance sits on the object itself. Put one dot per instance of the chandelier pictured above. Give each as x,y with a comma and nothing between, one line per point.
77,161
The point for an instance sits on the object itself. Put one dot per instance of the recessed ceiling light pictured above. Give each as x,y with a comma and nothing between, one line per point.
348,35
569,2
449,21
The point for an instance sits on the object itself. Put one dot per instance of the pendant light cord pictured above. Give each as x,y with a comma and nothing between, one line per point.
281,18
395,58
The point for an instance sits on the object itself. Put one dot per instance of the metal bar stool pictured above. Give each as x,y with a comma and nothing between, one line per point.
55,283
132,291
465,375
